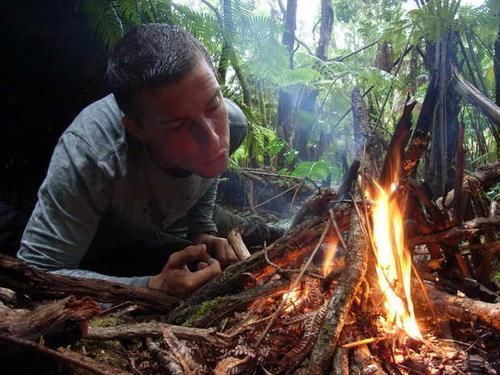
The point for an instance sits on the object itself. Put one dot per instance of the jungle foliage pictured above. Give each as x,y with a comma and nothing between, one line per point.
385,47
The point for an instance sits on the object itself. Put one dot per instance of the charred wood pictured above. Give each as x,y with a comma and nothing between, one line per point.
398,143
467,230
288,251
340,303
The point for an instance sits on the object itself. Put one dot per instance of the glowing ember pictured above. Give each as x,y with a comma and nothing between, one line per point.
294,298
393,262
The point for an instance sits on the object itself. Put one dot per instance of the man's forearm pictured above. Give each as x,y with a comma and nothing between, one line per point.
139,281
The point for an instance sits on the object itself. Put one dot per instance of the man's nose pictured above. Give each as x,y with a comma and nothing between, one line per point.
206,131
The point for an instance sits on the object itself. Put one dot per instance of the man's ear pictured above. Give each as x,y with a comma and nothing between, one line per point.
135,128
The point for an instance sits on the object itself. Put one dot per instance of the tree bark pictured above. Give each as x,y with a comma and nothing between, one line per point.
325,30
497,66
22,278
63,317
320,361
477,98
462,309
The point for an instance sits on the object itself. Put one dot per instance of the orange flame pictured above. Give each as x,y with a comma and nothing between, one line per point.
393,261
329,255
294,298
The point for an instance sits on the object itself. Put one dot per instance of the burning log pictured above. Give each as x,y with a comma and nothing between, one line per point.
341,300
279,258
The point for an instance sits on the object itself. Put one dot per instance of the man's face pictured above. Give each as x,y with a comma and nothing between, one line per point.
184,124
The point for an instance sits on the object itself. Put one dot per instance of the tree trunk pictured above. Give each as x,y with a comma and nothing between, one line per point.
290,23
307,104
325,29
286,101
441,56
497,66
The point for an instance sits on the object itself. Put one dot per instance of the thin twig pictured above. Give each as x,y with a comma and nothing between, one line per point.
280,194
363,342
424,291
59,355
334,222
294,284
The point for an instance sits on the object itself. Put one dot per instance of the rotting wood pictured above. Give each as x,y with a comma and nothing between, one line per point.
467,230
67,316
462,309
362,362
340,303
209,312
22,278
155,329
64,356
8,296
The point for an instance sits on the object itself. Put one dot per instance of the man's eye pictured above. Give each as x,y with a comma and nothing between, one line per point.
215,104
176,126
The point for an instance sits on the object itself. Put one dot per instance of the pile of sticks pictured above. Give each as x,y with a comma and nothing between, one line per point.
245,321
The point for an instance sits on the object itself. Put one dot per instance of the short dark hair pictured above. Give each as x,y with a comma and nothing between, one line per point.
149,56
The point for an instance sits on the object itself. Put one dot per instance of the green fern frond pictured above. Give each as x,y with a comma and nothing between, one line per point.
104,20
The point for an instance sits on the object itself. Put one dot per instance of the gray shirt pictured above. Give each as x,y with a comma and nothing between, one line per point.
102,190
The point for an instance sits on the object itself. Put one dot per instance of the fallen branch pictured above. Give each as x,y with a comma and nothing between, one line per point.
476,97
467,230
155,329
340,303
55,318
465,309
64,356
22,278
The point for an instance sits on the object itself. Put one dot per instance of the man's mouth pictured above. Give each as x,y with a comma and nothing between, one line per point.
222,153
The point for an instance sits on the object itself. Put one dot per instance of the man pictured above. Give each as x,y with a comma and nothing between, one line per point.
133,164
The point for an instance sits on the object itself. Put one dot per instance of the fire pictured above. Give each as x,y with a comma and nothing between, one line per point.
329,255
294,298
393,261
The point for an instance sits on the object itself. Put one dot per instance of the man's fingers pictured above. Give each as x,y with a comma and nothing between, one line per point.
202,265
223,252
225,255
200,277
190,254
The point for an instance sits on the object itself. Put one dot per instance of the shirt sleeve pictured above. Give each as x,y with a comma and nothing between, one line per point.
138,281
71,201
201,215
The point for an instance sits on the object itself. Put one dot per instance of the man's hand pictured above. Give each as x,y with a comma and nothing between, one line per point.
218,247
177,280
